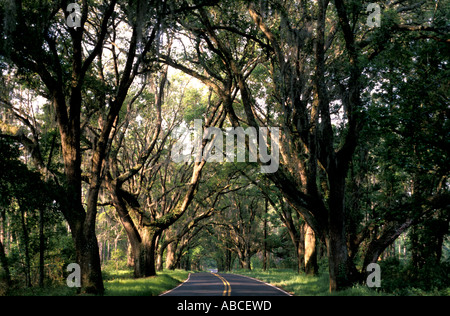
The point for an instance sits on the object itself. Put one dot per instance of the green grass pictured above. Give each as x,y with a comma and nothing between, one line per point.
122,284
303,285
117,283
55,290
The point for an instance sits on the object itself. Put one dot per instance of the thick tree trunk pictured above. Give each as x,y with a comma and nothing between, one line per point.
338,259
159,261
91,273
170,257
88,257
139,239
144,259
82,223
311,267
143,255
86,247
142,264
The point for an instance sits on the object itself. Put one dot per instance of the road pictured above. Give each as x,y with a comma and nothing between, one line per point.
212,284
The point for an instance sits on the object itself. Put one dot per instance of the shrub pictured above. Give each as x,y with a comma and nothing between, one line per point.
404,279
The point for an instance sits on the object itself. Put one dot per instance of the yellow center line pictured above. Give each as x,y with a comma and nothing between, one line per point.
227,290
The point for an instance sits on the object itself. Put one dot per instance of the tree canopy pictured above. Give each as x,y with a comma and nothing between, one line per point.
96,97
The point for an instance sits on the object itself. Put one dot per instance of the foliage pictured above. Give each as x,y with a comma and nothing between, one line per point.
89,117
405,279
23,196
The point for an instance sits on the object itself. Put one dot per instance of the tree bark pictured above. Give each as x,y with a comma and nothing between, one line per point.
144,258
87,252
5,266
41,248
170,257
311,267
26,245
336,241
83,232
138,239
159,260
247,260
265,253
299,244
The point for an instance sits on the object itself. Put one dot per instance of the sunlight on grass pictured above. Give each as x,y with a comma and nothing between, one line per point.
118,283
121,284
303,285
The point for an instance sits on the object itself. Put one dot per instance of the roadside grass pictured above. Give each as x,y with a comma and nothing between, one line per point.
121,283
117,283
304,285
50,290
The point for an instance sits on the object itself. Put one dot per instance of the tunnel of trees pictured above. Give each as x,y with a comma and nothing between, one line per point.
94,101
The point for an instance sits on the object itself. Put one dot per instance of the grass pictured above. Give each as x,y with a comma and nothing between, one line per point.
304,285
54,290
117,283
121,283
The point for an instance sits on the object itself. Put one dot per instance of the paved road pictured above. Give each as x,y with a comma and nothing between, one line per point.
211,284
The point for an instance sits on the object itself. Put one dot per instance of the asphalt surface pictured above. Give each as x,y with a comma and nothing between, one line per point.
211,284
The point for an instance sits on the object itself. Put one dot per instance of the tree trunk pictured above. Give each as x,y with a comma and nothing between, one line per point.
130,256
82,228
159,261
88,257
297,239
26,243
82,223
170,257
311,267
5,266
388,235
144,259
337,262
228,260
265,235
247,260
41,247
341,268
300,258
142,263
142,241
